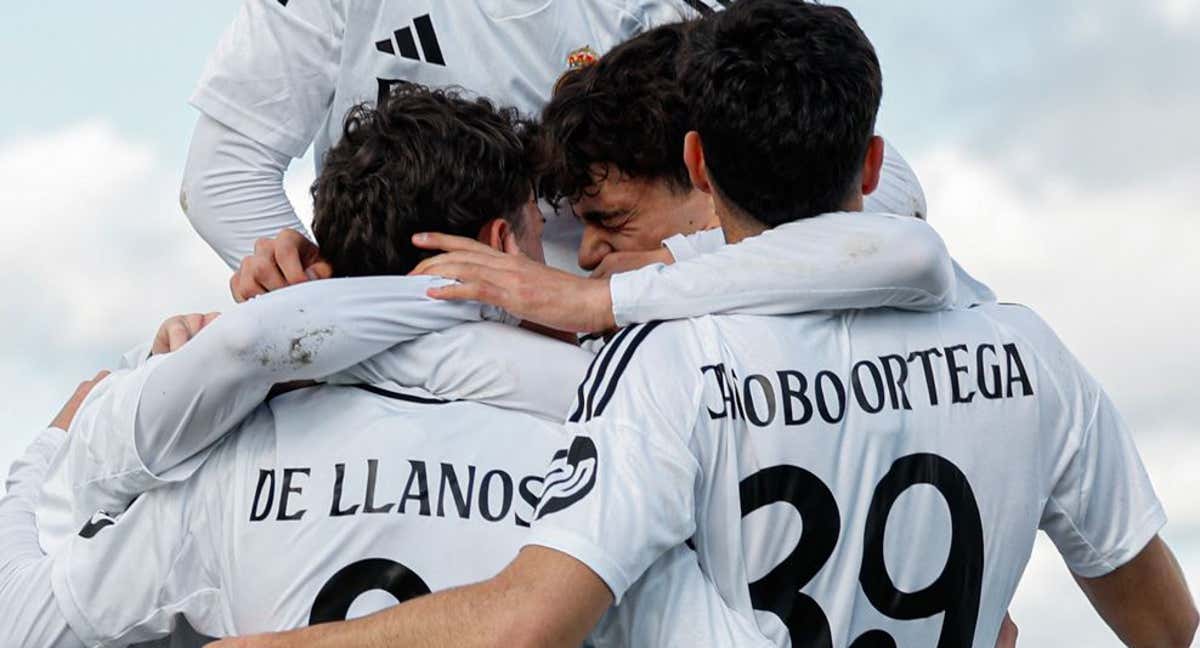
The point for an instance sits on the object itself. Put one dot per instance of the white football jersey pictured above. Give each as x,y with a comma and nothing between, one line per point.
329,503
286,73
851,477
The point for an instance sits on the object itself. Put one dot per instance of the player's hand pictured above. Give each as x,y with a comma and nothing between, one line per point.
512,281
64,418
286,260
179,330
618,262
1008,633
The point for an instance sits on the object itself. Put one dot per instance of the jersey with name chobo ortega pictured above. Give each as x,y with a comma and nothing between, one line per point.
849,479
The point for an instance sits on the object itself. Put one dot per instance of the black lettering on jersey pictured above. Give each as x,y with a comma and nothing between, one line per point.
260,510
703,8
287,491
957,370
718,372
419,478
1016,371
828,385
449,482
99,521
753,413
283,2
571,476
872,385
927,365
369,503
335,509
793,393
896,381
996,390
506,495
864,395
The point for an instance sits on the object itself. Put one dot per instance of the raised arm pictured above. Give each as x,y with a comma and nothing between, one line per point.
264,94
232,190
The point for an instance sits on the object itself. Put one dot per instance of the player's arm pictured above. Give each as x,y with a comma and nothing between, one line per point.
1104,518
542,599
263,95
1146,601
838,261
26,598
155,424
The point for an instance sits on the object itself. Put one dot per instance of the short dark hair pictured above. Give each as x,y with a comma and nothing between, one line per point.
424,161
784,95
627,110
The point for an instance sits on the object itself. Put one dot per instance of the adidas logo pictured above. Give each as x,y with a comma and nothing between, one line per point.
405,45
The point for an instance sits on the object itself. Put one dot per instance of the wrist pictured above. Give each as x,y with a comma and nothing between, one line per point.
600,305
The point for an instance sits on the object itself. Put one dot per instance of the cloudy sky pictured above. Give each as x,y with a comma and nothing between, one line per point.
1056,141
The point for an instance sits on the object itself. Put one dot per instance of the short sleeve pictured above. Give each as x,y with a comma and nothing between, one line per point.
623,492
273,75
674,604
1103,511
123,580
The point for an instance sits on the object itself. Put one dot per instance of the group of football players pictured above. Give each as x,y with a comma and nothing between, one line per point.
618,326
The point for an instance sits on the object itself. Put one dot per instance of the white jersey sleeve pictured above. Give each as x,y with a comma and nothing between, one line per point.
674,604
1102,511
623,493
273,75
32,617
144,428
232,190
485,362
832,262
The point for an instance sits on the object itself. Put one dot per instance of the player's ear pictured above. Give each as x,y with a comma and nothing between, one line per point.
693,159
872,166
494,233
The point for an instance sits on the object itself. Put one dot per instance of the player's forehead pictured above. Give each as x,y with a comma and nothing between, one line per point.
612,192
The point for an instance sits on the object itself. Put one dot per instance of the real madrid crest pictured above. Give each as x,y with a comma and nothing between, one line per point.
582,57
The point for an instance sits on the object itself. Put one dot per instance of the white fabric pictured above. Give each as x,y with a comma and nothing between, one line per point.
482,362
285,76
145,427
195,548
899,191
664,450
27,605
835,261
232,191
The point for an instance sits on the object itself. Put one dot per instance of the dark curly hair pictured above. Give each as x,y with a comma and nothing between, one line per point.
784,95
627,110
424,161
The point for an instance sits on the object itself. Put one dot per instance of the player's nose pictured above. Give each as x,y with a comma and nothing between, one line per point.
593,247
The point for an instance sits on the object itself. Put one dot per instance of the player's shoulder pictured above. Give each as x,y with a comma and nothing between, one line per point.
651,359
657,12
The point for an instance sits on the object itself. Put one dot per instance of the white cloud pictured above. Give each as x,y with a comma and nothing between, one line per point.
1113,272
98,253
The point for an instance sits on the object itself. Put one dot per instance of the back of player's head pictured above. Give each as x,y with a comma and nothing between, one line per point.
424,161
627,110
784,95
